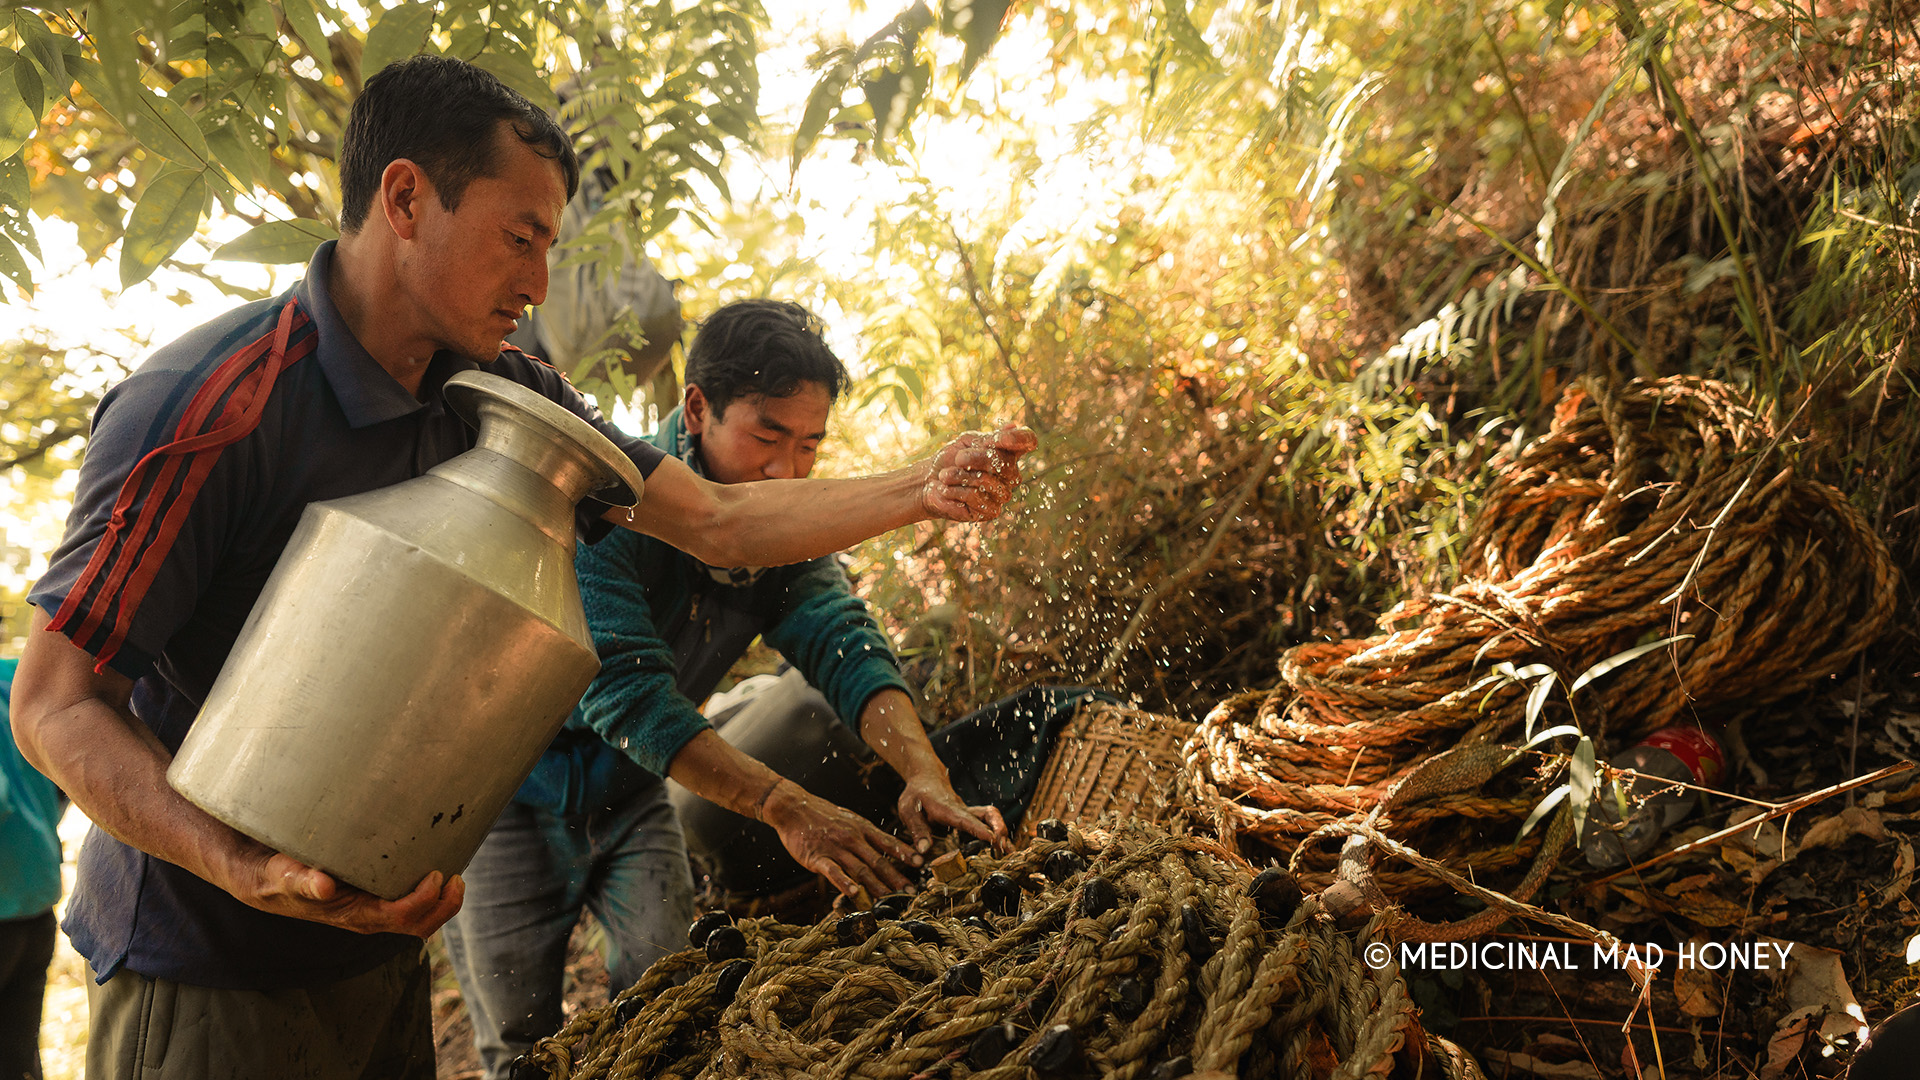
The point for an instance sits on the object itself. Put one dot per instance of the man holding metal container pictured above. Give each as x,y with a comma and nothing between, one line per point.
592,827
213,954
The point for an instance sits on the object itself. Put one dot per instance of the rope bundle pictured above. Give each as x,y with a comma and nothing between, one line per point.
1666,508
1132,954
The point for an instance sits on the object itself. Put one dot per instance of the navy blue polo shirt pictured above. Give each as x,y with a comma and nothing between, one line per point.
196,472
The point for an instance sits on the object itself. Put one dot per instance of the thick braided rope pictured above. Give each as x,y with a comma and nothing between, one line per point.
1256,998
1664,508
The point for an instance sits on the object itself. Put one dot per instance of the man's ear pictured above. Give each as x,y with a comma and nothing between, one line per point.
693,410
403,189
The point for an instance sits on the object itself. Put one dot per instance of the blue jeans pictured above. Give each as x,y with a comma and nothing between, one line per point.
525,889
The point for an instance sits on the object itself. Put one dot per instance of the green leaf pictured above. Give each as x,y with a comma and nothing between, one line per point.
1541,811
238,142
515,68
977,24
1621,659
165,128
1551,733
119,54
1537,698
33,89
1582,777
821,104
15,267
17,119
16,199
894,96
306,26
1186,37
400,33
277,242
162,220
45,50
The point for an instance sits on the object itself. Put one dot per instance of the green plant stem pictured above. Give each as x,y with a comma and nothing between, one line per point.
1519,110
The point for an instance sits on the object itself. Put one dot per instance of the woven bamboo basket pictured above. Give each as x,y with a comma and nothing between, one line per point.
1109,760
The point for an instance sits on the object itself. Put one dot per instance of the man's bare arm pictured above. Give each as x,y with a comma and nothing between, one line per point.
74,725
777,522
891,726
821,836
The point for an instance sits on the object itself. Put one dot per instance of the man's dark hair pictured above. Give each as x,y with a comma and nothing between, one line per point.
761,347
443,115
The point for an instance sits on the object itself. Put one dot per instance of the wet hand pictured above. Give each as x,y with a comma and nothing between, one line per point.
283,885
972,477
838,843
930,800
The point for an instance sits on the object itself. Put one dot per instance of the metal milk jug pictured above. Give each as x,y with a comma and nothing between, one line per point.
413,652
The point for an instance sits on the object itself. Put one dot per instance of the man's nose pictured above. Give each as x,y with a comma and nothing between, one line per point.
782,466
534,285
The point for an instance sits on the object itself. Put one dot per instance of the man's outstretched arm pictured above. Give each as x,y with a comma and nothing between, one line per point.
75,726
778,522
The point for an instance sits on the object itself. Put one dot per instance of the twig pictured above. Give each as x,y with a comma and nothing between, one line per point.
1781,810
1582,1020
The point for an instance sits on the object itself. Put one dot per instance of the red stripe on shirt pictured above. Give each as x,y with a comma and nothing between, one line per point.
130,570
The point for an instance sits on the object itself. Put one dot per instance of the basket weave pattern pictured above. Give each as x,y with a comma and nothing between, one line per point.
1109,760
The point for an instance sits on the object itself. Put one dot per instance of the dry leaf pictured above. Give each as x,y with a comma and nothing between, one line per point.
1689,884
1903,866
1847,824
1785,1045
1527,1063
1817,980
1703,908
1738,858
1698,989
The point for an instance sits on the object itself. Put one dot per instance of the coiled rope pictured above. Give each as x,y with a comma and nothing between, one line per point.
1125,954
1666,508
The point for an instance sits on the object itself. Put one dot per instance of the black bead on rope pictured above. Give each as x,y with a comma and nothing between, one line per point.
963,979
1001,894
727,986
1128,998
1051,829
856,928
924,932
1098,896
726,943
1276,893
1172,1069
1056,1049
524,1068
975,922
1194,929
707,924
1062,864
891,906
993,1044
625,1011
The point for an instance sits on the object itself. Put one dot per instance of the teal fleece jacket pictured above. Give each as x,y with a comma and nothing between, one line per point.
30,809
668,630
